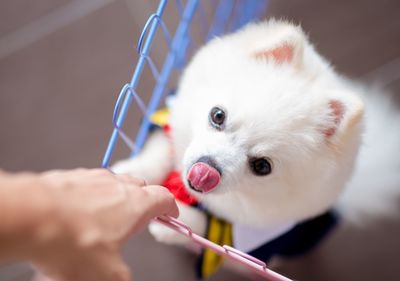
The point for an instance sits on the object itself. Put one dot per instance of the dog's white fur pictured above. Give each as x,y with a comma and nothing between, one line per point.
280,109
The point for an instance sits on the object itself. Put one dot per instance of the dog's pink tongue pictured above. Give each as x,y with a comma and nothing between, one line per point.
203,177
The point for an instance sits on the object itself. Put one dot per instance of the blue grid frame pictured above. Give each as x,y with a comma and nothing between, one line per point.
229,15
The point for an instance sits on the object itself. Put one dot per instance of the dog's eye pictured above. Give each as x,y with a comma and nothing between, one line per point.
217,117
260,166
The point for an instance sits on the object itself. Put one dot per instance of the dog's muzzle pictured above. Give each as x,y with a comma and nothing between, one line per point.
204,175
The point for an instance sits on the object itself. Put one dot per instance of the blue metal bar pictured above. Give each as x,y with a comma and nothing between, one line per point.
179,5
223,11
133,83
239,14
181,56
246,12
153,67
203,19
167,36
169,63
261,8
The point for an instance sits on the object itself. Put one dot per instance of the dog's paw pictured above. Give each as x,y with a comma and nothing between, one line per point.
166,235
127,166
135,167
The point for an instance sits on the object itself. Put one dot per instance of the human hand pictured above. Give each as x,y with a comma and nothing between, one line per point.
92,212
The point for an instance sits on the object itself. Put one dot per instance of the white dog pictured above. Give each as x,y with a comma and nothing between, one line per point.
267,135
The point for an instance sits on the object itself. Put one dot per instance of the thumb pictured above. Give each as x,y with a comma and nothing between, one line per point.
160,202
155,201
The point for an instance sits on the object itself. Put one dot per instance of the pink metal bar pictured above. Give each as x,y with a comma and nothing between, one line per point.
230,250
250,262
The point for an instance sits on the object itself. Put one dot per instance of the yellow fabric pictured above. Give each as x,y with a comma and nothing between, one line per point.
219,232
160,117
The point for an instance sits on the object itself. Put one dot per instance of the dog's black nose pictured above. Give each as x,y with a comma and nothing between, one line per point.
211,162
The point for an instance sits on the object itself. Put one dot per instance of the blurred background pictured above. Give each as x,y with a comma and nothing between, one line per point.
63,62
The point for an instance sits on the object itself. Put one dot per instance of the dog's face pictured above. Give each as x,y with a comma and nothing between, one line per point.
258,138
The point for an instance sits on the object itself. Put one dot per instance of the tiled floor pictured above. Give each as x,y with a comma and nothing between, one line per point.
63,62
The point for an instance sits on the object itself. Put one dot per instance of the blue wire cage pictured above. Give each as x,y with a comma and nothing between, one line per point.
217,18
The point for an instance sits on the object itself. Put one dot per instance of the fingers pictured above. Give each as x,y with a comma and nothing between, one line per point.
131,180
160,202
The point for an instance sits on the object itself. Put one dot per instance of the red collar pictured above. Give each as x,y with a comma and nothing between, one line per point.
175,184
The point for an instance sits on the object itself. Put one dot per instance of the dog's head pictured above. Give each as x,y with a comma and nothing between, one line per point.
265,132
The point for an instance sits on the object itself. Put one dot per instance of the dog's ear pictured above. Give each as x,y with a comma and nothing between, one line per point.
344,113
335,117
286,46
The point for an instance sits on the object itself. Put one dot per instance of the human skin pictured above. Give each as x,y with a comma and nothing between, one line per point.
71,224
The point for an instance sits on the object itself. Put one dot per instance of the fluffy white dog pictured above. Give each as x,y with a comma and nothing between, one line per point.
266,135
